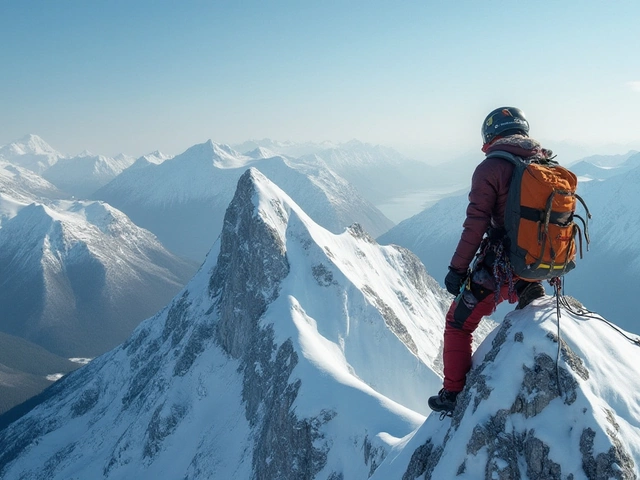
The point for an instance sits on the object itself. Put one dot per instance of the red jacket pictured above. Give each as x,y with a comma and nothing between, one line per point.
488,195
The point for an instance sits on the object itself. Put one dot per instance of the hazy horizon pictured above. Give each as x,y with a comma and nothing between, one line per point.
418,77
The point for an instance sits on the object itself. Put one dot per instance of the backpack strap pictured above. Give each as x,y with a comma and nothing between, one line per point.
506,156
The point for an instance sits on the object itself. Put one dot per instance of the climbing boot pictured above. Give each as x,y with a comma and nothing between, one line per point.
444,402
529,293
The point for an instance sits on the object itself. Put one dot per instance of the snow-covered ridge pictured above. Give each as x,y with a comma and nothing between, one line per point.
518,419
82,175
71,266
282,356
29,144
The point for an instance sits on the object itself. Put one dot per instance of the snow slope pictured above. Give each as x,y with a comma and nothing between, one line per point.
432,234
183,199
30,152
606,275
77,277
19,186
379,173
82,175
603,277
397,185
513,420
601,168
153,158
293,353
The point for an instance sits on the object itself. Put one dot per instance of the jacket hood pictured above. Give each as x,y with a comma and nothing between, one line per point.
521,146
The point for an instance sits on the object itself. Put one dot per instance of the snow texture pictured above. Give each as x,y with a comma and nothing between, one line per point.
77,277
293,353
522,416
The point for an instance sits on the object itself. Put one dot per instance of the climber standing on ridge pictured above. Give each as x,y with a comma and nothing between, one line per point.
490,279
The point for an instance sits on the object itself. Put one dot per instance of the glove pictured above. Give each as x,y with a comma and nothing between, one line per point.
454,280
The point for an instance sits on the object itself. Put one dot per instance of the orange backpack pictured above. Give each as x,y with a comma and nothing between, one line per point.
540,218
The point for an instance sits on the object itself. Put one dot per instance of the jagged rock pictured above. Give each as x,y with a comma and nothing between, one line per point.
271,364
525,413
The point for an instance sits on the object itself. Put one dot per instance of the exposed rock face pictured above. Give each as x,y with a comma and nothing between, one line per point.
284,444
514,441
218,385
191,192
248,274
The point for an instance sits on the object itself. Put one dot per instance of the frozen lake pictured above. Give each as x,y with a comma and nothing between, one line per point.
412,203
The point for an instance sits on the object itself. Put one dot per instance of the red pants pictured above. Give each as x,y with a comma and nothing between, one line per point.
458,335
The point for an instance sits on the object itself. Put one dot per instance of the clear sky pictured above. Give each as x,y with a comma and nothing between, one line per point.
135,76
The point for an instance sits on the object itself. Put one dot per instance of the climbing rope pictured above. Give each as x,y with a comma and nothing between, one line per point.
556,283
584,313
561,301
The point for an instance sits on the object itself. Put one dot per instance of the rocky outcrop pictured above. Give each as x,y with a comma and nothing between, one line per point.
266,366
504,430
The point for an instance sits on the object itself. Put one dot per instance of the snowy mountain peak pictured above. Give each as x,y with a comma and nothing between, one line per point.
261,152
221,156
71,269
83,174
537,405
85,153
33,144
281,356
30,152
156,157
203,179
24,185
353,143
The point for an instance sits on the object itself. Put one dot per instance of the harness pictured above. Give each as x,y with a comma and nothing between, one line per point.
493,255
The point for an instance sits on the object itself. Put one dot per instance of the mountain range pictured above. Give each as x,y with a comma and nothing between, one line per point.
83,174
292,353
602,167
379,173
183,199
298,353
30,152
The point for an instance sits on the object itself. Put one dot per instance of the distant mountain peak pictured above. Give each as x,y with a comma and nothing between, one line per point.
261,152
219,155
30,152
354,142
86,153
33,144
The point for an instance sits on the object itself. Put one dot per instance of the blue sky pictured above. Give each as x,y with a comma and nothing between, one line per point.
135,76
